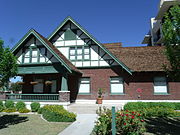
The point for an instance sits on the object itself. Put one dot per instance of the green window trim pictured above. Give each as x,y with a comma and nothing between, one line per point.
120,79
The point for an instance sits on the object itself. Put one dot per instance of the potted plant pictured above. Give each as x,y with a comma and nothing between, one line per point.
99,99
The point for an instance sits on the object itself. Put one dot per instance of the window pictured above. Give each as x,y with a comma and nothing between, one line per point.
79,53
116,85
84,86
38,88
72,53
160,85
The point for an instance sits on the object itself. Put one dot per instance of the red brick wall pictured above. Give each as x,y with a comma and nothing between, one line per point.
144,80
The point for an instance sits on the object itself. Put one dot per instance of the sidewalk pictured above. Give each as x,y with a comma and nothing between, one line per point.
82,126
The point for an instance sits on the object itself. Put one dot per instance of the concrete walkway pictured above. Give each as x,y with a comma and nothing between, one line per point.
82,126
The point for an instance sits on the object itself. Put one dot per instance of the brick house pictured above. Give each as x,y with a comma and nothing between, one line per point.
72,65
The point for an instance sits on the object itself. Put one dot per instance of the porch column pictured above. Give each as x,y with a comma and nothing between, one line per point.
64,84
64,93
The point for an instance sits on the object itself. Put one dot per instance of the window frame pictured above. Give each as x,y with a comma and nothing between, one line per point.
167,87
76,53
79,83
116,93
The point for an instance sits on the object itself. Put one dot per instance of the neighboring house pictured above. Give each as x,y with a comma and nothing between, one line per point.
155,35
77,65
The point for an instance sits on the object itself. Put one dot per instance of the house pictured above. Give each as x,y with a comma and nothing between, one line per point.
155,35
72,65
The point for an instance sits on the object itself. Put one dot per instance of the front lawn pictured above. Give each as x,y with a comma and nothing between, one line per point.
29,124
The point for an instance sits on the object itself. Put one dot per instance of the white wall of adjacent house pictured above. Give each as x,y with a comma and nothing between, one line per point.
33,52
79,51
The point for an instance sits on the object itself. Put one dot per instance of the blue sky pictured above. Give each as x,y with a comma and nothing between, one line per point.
107,20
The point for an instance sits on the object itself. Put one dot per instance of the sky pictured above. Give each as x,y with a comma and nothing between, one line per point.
125,21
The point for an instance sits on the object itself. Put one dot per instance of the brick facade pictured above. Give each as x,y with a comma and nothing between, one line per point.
143,80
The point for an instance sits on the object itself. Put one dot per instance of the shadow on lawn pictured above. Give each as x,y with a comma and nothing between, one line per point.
6,120
163,126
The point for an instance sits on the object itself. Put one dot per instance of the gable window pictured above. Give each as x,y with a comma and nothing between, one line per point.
116,85
79,53
160,85
84,86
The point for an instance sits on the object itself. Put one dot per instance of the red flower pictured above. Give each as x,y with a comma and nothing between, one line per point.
139,114
125,124
133,112
132,117
127,114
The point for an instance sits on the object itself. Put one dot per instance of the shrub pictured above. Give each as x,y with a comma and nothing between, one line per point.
9,104
1,106
20,105
40,110
177,106
8,110
160,112
103,124
24,110
35,106
127,123
144,105
56,113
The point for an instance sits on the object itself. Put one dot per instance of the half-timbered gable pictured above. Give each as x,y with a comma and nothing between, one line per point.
80,47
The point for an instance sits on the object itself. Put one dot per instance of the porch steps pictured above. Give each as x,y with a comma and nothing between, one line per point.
89,108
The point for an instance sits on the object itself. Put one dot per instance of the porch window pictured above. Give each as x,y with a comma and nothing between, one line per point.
84,86
38,88
116,84
160,85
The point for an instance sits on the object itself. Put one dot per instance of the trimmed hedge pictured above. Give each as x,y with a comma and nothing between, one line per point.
144,105
35,106
1,106
20,105
24,110
9,104
56,113
154,109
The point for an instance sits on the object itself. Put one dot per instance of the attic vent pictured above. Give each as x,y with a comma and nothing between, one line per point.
69,35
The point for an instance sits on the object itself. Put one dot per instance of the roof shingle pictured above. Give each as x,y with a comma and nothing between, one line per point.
140,59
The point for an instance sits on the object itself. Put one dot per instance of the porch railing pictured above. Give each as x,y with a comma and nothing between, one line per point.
33,97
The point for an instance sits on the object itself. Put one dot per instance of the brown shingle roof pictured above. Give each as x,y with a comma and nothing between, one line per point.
59,53
149,58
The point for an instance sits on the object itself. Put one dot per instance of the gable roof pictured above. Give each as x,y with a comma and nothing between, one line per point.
92,38
64,61
140,59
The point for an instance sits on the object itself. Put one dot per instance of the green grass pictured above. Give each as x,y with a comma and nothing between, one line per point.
29,124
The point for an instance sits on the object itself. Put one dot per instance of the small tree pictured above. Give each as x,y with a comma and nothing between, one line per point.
171,33
8,65
15,87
